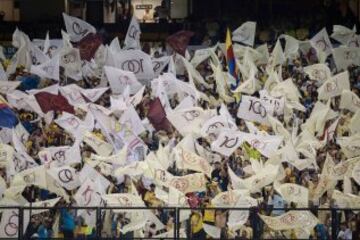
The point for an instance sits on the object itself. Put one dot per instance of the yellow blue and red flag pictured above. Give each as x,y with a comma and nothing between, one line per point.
230,59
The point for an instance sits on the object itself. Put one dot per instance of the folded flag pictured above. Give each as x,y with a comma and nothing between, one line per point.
51,102
8,118
157,116
179,41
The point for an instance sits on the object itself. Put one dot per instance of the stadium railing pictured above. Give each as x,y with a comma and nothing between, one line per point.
20,215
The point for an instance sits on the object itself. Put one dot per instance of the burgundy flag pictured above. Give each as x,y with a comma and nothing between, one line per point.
88,46
179,41
49,102
157,116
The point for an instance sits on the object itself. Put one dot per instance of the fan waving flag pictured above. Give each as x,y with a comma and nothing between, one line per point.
179,41
230,58
8,118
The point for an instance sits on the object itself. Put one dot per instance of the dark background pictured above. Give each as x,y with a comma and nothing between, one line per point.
38,16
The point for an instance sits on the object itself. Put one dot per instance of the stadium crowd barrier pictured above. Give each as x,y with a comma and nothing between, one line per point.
256,223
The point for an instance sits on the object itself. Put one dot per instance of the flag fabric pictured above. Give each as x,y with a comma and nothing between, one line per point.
342,34
230,58
89,45
345,57
293,193
291,220
255,109
49,69
77,28
319,72
245,33
157,116
132,39
335,86
120,79
350,101
322,44
136,61
50,102
8,118
179,41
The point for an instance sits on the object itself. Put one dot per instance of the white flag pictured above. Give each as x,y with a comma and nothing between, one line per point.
214,125
350,146
189,183
192,161
77,28
345,57
227,142
72,94
254,109
319,72
61,156
100,147
212,231
132,39
117,159
334,86
119,79
245,33
277,56
49,69
73,125
131,117
293,193
266,145
70,60
3,75
188,120
7,87
93,94
115,46
37,56
322,44
291,220
350,101
354,124
33,176
291,46
342,34
159,64
9,226
65,176
136,61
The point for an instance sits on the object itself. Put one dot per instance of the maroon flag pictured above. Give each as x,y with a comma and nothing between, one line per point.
89,45
179,41
49,102
157,116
